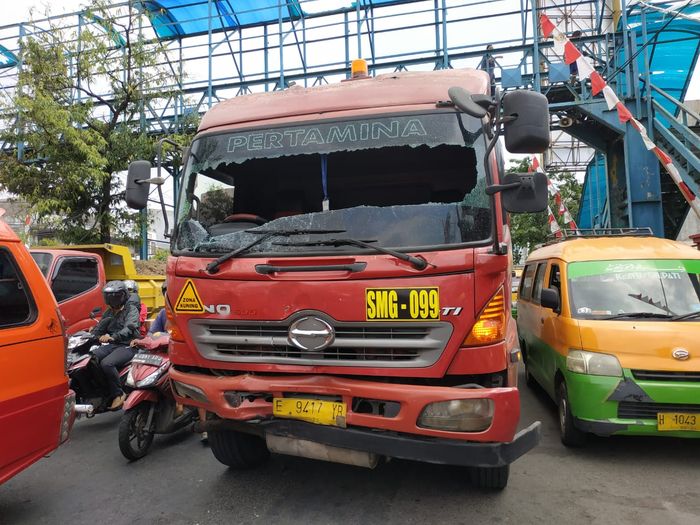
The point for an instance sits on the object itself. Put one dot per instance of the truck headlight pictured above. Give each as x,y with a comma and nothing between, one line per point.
593,363
458,415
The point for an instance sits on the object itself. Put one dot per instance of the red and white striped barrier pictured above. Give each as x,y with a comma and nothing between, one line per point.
566,49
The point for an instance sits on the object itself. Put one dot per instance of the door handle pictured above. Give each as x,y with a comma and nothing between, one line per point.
542,320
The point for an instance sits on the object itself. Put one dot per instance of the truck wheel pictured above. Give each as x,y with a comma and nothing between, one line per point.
492,478
570,435
134,438
237,449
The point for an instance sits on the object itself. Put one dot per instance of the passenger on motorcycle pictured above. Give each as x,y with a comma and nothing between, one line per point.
134,298
118,326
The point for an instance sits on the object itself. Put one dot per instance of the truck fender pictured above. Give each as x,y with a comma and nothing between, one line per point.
139,396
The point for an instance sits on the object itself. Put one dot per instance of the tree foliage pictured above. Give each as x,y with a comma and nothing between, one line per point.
531,229
73,139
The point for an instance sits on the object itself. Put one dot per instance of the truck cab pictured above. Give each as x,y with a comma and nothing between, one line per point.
36,406
339,286
76,279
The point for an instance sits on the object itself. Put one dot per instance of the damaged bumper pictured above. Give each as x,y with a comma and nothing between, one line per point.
244,403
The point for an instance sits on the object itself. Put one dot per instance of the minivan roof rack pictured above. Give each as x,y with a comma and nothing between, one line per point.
588,233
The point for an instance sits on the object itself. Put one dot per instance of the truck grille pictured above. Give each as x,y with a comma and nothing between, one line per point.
662,375
355,344
634,410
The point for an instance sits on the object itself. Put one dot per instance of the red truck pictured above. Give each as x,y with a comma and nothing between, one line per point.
339,286
77,274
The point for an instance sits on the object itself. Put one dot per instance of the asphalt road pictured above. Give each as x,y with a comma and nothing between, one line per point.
610,481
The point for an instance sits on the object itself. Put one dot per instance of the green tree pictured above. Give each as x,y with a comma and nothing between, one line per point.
531,229
73,138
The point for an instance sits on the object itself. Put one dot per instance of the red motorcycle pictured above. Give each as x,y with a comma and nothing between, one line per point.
150,408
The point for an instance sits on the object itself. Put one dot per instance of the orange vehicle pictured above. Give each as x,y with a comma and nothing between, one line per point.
36,406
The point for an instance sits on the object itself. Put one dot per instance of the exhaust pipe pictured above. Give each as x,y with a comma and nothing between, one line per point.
312,450
88,410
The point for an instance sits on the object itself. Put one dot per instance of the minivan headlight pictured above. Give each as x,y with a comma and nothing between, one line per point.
593,363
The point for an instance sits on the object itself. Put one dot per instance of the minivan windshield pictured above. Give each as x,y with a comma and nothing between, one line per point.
634,289
407,181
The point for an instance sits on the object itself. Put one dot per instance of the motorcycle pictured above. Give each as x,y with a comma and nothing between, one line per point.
86,377
150,408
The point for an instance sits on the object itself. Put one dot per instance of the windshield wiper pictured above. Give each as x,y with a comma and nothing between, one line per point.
213,266
637,315
683,317
416,262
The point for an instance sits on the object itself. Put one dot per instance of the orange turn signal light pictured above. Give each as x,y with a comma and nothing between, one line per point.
490,326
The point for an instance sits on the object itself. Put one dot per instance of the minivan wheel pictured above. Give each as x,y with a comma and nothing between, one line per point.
570,435
529,380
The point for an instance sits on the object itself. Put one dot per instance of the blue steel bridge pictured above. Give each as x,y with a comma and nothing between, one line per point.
646,51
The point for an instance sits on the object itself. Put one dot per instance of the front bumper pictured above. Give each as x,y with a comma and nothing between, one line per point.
391,444
596,403
396,436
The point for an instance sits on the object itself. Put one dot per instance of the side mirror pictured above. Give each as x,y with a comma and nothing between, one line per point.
527,131
522,193
549,298
138,184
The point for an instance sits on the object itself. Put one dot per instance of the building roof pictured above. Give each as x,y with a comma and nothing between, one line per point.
614,248
383,91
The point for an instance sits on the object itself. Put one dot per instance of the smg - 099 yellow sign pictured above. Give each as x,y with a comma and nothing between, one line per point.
402,304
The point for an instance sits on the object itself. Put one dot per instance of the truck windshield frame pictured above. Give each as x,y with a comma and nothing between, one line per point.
441,150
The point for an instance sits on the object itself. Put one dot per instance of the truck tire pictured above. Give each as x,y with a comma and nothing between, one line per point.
570,435
491,478
238,450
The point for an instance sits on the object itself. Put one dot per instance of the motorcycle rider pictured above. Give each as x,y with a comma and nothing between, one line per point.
134,298
118,326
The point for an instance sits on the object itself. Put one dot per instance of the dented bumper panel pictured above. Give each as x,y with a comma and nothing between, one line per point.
248,397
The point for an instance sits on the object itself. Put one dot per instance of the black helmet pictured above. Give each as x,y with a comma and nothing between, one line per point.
115,294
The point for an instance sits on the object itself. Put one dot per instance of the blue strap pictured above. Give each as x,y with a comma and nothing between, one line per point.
324,175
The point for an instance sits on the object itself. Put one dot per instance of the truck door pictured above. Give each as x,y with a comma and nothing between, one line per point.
33,383
75,282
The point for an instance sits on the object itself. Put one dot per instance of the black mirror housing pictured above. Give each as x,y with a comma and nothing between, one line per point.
137,187
528,131
549,298
530,194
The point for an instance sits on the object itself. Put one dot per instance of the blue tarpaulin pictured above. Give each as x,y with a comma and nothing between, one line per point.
7,58
180,18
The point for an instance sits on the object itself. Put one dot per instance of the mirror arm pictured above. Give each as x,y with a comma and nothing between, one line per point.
495,125
497,188
159,152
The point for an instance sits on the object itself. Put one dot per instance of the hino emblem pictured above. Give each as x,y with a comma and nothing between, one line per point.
680,353
311,334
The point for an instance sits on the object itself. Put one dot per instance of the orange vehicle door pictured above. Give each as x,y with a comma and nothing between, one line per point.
33,381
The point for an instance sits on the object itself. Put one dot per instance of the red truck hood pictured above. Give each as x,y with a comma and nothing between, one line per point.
240,295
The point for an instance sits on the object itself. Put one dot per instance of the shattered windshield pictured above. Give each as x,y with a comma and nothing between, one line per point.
403,182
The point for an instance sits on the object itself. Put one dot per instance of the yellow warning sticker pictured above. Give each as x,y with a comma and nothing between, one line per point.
188,302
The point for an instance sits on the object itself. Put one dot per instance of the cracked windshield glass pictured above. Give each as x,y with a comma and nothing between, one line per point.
403,182
659,288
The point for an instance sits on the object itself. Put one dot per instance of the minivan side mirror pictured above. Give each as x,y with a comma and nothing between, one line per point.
526,121
549,298
138,184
